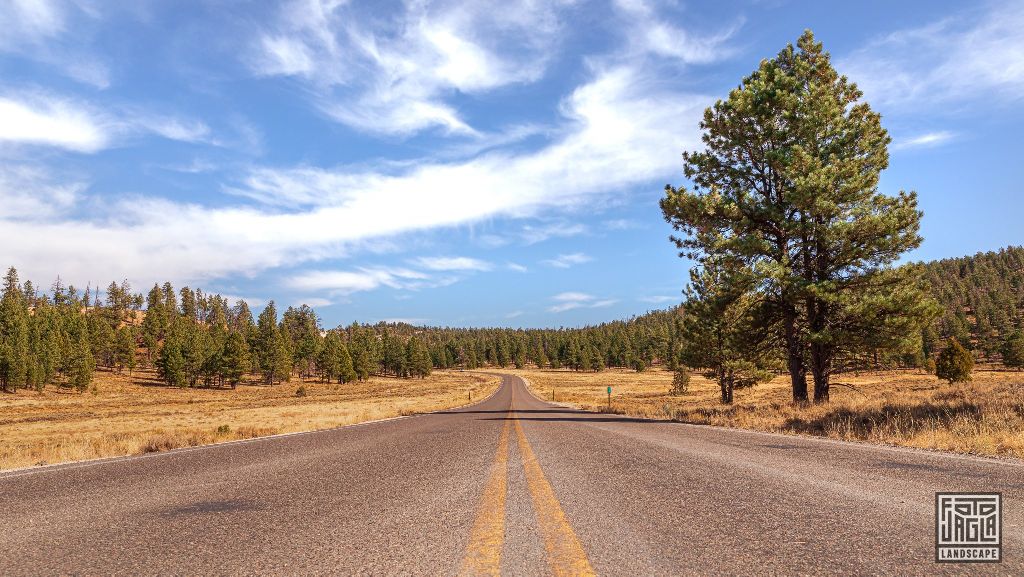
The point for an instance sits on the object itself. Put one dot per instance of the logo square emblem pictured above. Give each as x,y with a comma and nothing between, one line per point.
968,527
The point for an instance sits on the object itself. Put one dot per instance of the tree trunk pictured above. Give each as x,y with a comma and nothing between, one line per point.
726,383
821,357
821,352
795,358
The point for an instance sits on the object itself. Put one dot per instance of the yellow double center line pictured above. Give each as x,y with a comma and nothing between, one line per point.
483,555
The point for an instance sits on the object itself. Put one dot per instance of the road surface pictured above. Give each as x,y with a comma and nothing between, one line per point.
511,484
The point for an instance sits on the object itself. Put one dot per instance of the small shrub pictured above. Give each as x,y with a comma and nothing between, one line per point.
639,365
301,391
955,363
929,366
680,382
166,441
223,430
250,431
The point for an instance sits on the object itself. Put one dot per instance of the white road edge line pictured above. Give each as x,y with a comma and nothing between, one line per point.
31,470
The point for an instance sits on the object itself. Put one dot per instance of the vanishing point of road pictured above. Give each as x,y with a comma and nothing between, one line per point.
510,485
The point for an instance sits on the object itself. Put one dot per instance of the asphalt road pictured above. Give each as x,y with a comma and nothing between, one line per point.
511,484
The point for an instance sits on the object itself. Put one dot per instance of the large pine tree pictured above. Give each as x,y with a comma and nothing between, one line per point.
788,185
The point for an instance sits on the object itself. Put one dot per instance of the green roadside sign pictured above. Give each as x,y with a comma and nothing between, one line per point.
609,390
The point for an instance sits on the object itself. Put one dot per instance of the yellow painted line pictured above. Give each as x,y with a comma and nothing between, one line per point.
565,553
483,555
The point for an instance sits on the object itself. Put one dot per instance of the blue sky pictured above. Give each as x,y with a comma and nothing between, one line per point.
453,163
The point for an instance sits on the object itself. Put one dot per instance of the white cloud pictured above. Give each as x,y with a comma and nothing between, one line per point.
660,299
51,32
514,314
348,282
978,54
35,118
393,77
572,296
614,137
926,140
284,55
52,122
516,267
313,302
251,301
573,300
568,260
29,193
197,166
458,263
624,128
620,224
649,31
533,234
176,128
30,20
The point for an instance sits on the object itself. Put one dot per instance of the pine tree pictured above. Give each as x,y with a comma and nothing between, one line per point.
596,359
1013,350
267,343
787,185
196,346
171,362
327,359
124,349
154,324
346,368
282,361
240,319
101,336
35,377
189,307
14,335
48,352
574,355
725,329
303,326
234,359
418,358
82,362
955,363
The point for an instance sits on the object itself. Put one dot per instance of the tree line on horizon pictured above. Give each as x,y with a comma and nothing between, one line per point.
196,339
191,338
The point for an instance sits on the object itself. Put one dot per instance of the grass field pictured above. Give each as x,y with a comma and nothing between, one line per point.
984,417
123,416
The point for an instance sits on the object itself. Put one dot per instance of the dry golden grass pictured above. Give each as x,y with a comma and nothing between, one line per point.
906,408
122,416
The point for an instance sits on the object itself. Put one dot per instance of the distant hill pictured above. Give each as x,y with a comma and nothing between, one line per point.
982,296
